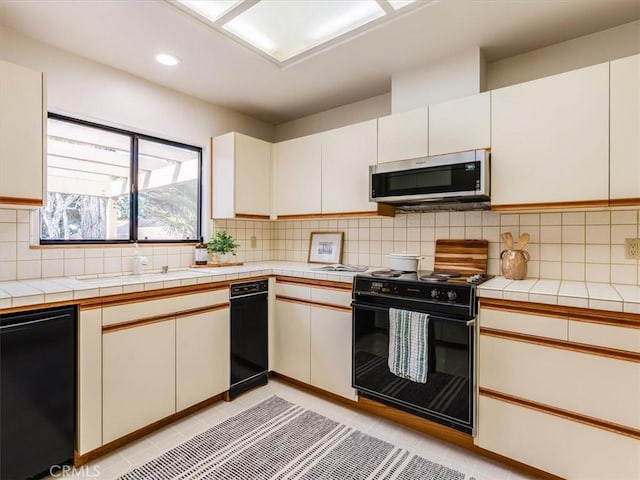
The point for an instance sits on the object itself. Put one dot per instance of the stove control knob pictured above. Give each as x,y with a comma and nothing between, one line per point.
451,295
434,293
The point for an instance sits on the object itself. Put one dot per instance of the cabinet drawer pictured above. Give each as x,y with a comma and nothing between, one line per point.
538,325
331,296
293,291
555,444
611,336
163,306
596,386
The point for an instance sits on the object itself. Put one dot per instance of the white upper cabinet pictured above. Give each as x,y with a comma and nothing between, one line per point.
403,135
550,141
460,125
625,131
347,153
241,177
298,176
22,136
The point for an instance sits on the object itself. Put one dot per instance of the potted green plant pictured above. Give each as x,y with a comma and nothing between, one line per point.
222,244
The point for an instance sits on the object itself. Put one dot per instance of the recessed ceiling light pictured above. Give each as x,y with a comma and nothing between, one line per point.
167,59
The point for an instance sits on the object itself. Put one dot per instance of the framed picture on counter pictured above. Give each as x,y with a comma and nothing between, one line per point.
326,247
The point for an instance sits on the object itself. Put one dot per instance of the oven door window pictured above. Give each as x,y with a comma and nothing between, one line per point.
447,392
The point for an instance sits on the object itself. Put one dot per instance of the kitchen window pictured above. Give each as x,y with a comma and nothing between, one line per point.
107,185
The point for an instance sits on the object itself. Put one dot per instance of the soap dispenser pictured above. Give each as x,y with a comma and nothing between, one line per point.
138,260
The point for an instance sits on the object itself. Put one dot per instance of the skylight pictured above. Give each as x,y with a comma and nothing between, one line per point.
288,30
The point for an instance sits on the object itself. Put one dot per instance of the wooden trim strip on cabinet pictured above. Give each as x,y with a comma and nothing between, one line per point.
559,412
136,323
624,202
252,216
381,210
313,304
198,311
31,202
510,207
616,319
161,318
563,344
310,282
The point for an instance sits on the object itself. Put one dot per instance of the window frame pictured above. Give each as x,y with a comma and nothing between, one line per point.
133,194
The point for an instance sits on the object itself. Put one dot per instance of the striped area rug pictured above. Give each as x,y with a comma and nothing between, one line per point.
277,439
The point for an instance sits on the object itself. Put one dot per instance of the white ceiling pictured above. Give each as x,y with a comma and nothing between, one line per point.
215,68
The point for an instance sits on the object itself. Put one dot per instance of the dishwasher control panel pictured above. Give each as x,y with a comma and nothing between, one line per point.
248,288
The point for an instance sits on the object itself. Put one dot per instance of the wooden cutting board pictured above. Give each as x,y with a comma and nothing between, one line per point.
463,256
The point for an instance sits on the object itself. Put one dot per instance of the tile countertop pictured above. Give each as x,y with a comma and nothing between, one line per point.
598,296
48,290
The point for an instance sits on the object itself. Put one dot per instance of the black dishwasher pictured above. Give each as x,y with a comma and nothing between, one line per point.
37,392
249,336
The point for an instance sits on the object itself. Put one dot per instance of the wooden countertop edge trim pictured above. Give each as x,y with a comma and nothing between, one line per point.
562,413
624,355
138,322
616,319
147,295
81,459
310,282
311,303
413,422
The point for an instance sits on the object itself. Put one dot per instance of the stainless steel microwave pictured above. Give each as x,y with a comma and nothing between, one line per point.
456,181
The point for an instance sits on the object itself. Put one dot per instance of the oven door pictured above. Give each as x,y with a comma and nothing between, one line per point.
446,397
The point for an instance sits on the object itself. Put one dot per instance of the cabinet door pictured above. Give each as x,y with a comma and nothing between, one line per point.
22,131
252,176
550,140
625,129
554,444
89,371
331,351
346,155
298,176
138,377
460,125
609,387
202,356
292,342
403,135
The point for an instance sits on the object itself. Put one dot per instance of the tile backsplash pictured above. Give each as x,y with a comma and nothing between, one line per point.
577,245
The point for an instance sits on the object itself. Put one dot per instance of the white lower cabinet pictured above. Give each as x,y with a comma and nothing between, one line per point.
331,351
202,356
292,342
554,444
558,391
313,336
89,387
138,377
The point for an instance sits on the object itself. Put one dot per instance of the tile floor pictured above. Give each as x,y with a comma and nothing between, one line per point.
145,449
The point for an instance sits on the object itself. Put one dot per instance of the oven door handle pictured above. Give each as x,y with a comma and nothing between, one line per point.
368,306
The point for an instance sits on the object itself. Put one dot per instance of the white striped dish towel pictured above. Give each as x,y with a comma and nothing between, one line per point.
408,337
